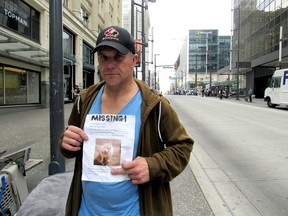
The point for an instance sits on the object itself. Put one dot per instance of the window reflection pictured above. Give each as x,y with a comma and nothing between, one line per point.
19,86
1,87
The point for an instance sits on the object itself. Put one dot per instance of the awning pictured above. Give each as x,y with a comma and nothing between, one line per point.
16,48
243,68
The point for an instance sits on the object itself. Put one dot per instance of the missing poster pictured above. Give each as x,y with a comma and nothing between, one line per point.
110,142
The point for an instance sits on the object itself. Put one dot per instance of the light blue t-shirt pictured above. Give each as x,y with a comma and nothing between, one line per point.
113,198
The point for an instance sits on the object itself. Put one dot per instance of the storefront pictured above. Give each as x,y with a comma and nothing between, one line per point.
19,86
22,58
24,54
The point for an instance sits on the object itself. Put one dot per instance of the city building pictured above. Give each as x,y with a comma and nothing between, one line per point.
259,43
24,47
201,56
182,76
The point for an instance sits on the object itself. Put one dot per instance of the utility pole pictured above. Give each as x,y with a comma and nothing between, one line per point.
238,55
210,79
196,72
280,46
57,163
155,72
143,42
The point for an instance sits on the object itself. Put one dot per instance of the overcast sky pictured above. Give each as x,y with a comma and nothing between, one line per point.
171,21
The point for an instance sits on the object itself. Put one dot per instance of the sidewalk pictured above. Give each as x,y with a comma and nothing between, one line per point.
255,101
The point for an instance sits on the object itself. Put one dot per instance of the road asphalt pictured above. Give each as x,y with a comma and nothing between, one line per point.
30,127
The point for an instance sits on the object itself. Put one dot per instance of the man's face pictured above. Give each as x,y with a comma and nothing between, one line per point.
115,67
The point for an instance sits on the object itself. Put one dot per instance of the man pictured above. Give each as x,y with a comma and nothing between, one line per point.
122,167
250,92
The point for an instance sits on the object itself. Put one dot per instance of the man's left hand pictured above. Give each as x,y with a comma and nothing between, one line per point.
137,170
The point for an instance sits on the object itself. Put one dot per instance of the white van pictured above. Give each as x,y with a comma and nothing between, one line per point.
277,92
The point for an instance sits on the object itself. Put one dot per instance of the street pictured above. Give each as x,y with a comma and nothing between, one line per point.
242,152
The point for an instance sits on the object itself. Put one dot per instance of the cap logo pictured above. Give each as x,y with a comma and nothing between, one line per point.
111,34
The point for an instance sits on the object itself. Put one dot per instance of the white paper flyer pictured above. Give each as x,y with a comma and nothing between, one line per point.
110,142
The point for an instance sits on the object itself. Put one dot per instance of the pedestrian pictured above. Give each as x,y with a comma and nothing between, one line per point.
115,130
76,92
221,93
250,92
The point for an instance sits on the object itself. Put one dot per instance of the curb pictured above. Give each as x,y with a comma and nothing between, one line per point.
213,198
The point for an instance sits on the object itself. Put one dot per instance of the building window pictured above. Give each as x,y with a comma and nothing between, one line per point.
1,86
101,7
276,82
84,16
19,86
111,11
88,66
65,3
88,57
68,44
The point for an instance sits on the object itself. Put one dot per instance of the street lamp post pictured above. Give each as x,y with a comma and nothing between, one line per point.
238,50
57,163
143,41
280,46
186,79
238,55
155,73
143,7
281,40
196,72
210,79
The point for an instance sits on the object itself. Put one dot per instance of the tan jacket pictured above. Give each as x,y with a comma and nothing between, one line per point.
164,163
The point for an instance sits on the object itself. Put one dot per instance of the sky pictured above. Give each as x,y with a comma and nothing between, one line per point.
171,21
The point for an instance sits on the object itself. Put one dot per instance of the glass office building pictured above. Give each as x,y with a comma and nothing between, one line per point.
256,41
208,52
202,44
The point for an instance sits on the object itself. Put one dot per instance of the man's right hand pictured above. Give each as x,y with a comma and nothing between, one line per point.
73,138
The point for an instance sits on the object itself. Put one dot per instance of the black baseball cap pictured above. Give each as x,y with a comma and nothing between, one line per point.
117,38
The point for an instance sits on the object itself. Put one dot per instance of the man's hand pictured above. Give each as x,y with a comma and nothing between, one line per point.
73,138
137,170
